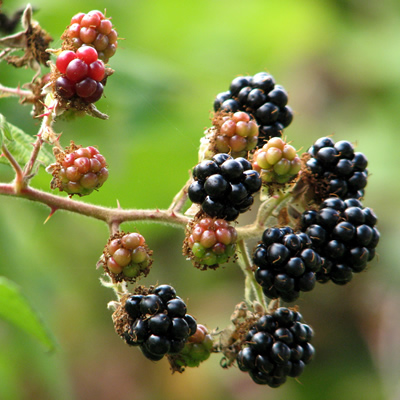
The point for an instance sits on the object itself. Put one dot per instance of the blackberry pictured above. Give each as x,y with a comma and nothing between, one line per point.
78,170
343,233
277,346
276,161
224,186
210,242
338,169
259,96
157,322
126,257
81,76
286,263
92,29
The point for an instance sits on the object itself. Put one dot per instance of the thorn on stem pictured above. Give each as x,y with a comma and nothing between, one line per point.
53,210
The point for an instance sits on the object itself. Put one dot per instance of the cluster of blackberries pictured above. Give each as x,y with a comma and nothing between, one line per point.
260,96
93,29
286,263
343,233
158,322
224,186
340,169
79,170
277,346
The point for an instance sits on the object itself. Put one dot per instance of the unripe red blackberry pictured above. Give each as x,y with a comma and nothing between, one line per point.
259,96
79,170
92,29
147,319
345,236
210,242
276,346
337,169
81,76
276,161
234,133
286,263
224,186
126,257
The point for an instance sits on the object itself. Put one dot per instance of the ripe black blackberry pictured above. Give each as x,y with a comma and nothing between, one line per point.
260,96
224,186
277,346
157,322
340,171
343,233
286,263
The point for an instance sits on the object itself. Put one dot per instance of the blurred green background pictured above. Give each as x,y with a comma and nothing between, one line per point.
339,61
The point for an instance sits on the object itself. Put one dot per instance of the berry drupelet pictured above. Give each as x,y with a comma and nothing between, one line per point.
260,96
286,263
224,186
276,346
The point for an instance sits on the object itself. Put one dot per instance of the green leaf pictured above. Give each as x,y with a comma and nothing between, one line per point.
15,308
19,144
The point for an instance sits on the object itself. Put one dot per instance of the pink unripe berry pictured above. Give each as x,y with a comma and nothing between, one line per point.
208,239
113,266
76,70
64,58
132,240
87,54
113,246
122,257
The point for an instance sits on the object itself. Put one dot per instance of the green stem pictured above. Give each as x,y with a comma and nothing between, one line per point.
252,288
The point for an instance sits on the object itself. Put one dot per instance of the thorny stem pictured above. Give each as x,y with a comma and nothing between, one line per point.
109,215
17,92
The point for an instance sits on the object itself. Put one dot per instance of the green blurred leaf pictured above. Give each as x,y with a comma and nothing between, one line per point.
20,144
15,308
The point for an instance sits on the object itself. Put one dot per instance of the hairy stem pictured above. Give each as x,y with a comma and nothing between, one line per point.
19,176
109,215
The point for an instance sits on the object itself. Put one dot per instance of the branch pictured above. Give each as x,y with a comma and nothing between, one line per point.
108,215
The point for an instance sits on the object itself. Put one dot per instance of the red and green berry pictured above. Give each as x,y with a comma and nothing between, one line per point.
79,170
126,257
235,133
93,29
277,161
210,242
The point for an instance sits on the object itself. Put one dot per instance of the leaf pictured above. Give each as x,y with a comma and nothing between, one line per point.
20,144
15,308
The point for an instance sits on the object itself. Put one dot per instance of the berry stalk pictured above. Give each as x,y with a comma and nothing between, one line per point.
251,285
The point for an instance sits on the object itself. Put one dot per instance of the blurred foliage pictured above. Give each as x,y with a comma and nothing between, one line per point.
339,61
